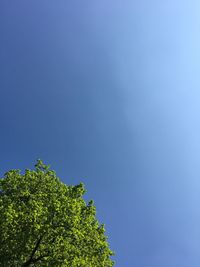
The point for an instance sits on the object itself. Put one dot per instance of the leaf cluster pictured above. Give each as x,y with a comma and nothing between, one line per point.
44,222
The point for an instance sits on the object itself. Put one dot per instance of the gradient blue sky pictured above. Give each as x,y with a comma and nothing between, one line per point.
108,93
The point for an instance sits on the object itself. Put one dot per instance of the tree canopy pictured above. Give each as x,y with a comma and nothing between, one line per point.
44,222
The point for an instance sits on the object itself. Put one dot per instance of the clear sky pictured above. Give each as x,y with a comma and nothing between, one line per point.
108,93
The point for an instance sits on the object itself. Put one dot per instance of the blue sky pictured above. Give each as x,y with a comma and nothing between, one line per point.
108,93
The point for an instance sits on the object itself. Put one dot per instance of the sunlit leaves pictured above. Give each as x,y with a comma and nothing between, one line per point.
44,222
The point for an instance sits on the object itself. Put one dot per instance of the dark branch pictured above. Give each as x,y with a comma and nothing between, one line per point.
31,260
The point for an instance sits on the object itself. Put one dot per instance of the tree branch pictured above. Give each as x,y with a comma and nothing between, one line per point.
30,260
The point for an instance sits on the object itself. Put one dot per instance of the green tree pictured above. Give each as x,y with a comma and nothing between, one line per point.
44,222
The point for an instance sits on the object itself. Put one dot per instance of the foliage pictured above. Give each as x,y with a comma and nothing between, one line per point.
44,222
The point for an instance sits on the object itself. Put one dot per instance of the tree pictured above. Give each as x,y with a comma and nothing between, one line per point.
44,222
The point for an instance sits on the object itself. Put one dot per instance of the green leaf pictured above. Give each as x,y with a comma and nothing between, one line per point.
44,222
